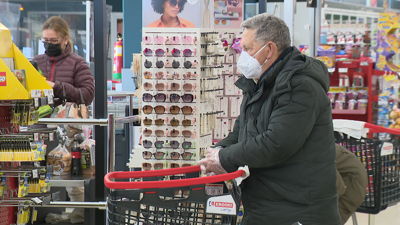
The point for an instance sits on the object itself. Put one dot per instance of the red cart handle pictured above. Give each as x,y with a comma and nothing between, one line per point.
167,183
378,129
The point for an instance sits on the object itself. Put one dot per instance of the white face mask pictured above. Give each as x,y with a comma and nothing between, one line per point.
249,66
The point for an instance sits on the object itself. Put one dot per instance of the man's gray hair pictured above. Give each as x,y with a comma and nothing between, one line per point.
269,28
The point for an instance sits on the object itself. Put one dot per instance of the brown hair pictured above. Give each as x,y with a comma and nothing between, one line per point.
59,25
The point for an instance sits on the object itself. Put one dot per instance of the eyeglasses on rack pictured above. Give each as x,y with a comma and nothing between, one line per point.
148,122
187,110
158,97
175,123
156,155
147,109
185,155
148,166
187,98
148,144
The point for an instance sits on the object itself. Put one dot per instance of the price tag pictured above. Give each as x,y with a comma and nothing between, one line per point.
35,174
51,136
343,70
36,136
36,102
36,93
331,70
387,149
48,92
50,99
364,63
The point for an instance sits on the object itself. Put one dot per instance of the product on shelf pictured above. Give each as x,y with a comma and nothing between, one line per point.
342,99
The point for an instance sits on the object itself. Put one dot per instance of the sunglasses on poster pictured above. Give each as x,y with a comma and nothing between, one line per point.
158,109
156,155
184,156
186,110
180,3
157,122
187,98
233,2
158,97
185,123
175,144
149,166
148,144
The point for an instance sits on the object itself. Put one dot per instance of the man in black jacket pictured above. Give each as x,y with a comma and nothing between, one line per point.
284,132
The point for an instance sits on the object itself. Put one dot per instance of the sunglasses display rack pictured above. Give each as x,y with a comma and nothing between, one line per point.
229,99
182,75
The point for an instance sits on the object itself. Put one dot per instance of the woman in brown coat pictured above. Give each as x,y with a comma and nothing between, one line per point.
61,66
352,181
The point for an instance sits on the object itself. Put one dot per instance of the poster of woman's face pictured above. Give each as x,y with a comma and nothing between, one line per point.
171,13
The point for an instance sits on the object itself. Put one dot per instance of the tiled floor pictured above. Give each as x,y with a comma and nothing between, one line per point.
390,216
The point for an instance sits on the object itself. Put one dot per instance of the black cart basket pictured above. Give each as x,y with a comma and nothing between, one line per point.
184,201
382,162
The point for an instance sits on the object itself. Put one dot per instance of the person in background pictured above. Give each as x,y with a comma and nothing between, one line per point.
169,10
352,180
61,66
284,132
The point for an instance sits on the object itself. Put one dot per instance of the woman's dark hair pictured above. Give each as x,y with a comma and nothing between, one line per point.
158,5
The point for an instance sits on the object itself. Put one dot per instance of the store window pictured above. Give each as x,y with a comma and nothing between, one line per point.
25,20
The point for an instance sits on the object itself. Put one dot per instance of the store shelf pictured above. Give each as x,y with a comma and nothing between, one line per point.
69,180
120,93
349,112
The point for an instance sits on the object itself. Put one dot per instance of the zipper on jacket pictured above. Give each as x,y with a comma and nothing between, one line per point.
52,69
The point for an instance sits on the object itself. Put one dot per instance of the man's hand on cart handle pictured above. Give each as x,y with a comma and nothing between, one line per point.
211,165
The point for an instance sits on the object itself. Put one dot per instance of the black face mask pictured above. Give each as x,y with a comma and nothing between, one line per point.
52,49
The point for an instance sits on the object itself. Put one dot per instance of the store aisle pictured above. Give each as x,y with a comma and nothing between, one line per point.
389,216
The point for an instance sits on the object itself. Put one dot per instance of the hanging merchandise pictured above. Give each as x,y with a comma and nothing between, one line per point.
60,158
118,59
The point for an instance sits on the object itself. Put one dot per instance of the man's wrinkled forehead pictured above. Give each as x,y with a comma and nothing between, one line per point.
248,38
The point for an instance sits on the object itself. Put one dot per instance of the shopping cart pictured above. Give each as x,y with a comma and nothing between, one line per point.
196,200
382,162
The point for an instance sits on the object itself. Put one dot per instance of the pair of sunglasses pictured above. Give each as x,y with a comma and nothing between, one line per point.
156,155
180,3
160,144
185,123
187,98
174,110
173,86
159,52
172,133
148,122
159,64
149,166
177,53
159,40
161,133
184,156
